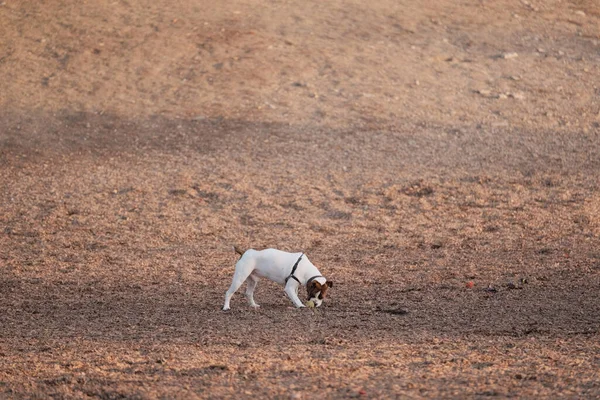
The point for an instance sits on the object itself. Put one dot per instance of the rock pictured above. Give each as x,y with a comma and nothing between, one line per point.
484,92
508,56
580,13
518,95
490,289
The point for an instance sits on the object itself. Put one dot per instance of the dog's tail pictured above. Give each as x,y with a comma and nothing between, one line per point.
238,250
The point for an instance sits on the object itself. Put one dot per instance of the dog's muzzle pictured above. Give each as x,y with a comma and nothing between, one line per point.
316,301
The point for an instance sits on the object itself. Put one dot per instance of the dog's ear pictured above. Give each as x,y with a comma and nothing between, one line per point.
316,284
329,283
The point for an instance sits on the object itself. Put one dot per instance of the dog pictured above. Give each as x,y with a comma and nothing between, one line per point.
289,269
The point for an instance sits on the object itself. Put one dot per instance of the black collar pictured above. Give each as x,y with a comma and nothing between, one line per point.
294,270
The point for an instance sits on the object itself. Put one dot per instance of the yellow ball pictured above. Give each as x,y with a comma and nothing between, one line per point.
310,304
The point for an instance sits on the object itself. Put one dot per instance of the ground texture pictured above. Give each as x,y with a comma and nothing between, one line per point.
440,163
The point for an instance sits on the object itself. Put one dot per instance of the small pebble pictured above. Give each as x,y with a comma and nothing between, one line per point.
508,56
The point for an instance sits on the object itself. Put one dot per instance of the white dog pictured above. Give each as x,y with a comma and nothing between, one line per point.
289,269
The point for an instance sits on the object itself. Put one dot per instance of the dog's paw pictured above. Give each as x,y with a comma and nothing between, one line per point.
255,306
226,309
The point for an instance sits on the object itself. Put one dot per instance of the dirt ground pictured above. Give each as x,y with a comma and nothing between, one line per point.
438,161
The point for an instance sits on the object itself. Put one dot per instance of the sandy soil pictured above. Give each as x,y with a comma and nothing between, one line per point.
440,163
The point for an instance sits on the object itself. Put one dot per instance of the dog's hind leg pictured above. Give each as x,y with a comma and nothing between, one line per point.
252,281
242,271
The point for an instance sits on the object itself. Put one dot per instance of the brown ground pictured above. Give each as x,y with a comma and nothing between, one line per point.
408,149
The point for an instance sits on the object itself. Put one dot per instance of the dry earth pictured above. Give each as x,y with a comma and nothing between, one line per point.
409,149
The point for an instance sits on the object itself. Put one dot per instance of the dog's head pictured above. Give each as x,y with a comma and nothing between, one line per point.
317,292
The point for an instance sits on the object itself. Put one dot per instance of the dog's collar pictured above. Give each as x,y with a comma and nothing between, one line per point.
294,270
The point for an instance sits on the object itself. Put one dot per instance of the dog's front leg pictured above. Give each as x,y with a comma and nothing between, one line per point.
291,289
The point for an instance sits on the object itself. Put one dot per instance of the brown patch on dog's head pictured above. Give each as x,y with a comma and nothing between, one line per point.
317,292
